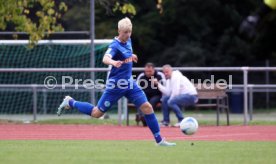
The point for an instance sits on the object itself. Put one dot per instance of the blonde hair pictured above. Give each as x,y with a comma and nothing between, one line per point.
125,24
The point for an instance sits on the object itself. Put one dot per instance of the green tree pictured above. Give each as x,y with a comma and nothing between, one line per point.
39,18
201,33
32,16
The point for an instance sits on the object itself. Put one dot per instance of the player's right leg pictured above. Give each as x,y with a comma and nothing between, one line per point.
138,97
153,124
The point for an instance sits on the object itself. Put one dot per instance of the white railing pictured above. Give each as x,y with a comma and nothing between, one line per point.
244,70
81,41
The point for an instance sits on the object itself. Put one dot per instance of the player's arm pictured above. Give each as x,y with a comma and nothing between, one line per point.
134,58
108,61
109,54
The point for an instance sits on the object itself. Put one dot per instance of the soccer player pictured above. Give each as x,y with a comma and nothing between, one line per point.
120,83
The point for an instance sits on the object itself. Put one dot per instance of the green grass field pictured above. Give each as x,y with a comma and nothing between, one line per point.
76,151
136,152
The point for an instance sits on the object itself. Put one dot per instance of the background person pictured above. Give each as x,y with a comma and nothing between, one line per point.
178,92
146,81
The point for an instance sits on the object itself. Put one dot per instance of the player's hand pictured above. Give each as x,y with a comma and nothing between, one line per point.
117,64
134,58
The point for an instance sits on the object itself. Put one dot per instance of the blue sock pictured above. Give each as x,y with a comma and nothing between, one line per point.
154,126
83,107
71,103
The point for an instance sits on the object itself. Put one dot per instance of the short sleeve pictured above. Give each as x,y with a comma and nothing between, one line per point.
111,52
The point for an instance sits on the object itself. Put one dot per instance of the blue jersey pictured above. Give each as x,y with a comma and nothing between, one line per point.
114,91
123,52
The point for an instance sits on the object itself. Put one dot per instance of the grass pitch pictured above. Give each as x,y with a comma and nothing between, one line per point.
53,151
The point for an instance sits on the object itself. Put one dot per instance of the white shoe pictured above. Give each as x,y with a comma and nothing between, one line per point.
64,105
164,124
177,124
166,143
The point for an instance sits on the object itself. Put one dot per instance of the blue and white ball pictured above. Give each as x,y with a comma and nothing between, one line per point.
189,125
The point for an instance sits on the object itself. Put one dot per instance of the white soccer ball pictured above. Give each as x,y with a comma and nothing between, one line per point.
189,125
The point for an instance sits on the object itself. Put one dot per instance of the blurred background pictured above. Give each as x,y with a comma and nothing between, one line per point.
195,32
183,33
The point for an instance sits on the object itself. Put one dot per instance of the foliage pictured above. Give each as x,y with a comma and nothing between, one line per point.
178,32
125,8
201,33
34,17
39,18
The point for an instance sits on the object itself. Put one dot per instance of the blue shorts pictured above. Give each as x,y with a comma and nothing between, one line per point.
111,96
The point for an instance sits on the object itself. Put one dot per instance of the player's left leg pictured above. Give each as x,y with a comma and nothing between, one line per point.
83,107
68,103
109,97
138,97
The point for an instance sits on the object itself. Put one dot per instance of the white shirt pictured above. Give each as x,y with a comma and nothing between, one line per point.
178,84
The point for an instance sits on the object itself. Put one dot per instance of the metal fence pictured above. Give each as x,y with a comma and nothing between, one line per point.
245,87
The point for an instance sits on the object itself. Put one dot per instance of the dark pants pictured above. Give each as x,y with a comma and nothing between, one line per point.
153,101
